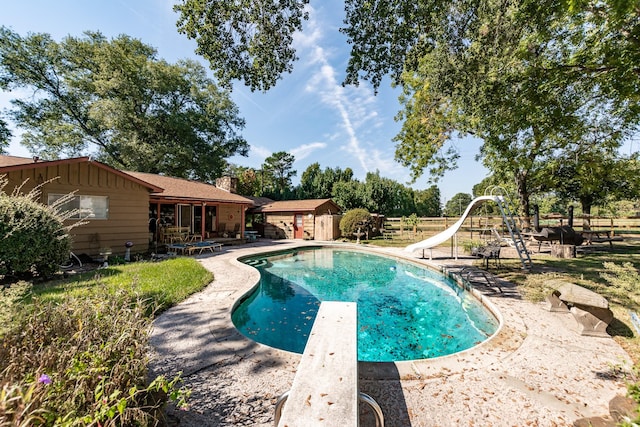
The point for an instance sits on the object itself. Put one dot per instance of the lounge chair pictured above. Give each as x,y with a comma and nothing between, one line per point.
204,245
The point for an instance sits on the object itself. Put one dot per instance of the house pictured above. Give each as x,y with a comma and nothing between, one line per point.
125,207
201,209
114,203
317,219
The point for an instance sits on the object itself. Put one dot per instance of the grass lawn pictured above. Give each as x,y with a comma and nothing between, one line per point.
163,283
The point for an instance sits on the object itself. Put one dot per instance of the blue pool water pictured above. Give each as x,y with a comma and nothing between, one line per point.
405,311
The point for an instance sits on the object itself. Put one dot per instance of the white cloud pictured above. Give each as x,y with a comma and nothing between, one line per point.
259,151
305,150
356,107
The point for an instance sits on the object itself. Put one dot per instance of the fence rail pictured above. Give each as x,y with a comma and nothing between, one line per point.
479,227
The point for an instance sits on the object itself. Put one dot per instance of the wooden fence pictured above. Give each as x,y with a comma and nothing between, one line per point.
480,227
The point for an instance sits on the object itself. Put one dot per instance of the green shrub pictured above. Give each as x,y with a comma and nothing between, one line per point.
33,239
353,219
80,362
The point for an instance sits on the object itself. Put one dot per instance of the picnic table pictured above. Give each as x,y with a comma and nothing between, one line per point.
175,234
600,236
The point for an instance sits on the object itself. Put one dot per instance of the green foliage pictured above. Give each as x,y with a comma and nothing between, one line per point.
457,205
82,361
623,282
427,202
5,135
11,297
136,111
376,194
595,176
524,77
412,220
470,246
33,238
318,184
244,39
249,180
352,220
277,171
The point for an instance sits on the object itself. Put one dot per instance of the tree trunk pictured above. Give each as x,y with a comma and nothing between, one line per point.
586,216
523,197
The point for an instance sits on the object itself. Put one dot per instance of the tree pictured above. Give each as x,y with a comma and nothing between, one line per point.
427,202
457,205
244,39
5,135
525,77
249,181
318,184
348,194
595,176
115,97
278,171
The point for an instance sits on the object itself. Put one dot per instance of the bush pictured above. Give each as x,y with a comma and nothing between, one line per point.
33,239
352,220
80,362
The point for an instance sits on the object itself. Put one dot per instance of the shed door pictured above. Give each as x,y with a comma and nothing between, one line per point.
298,227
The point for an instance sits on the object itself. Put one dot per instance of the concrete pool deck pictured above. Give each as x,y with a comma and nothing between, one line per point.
537,371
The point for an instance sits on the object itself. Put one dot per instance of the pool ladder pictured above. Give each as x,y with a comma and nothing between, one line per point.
363,397
471,271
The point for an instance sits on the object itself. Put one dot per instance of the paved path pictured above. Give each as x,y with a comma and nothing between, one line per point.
537,371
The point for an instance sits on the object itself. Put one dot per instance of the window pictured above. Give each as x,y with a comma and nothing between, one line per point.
88,207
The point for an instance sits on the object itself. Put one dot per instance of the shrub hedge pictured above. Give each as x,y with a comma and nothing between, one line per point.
351,220
33,239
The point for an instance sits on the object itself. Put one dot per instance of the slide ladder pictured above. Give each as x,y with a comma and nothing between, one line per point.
508,218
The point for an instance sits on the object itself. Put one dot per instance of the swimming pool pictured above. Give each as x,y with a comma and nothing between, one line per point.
405,311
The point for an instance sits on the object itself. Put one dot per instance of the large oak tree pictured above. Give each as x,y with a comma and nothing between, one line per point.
528,77
117,100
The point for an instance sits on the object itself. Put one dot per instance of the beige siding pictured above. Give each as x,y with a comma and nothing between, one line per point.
128,205
230,216
279,225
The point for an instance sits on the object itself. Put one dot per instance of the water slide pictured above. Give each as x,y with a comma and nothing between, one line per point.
440,238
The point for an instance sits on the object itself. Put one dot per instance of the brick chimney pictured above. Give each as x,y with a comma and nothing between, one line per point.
227,183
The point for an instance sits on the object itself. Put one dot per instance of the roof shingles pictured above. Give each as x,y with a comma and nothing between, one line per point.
179,188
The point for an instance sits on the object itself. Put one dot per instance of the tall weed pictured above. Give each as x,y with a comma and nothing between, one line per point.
82,361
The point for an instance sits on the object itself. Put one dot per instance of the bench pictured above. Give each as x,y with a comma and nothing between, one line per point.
590,309
325,388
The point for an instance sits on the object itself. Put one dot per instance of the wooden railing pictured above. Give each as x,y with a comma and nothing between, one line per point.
477,227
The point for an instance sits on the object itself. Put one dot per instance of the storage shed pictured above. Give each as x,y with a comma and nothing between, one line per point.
313,219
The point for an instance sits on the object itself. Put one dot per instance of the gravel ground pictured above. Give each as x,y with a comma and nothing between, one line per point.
537,371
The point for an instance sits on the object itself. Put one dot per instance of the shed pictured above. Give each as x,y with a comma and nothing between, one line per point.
317,219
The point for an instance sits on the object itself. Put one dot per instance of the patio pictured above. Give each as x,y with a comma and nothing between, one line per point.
537,371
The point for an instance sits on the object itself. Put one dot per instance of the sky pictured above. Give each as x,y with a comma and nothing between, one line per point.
308,114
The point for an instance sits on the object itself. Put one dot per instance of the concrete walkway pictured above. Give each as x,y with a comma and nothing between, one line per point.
537,371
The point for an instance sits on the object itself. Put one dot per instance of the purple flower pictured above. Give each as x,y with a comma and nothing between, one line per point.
44,379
